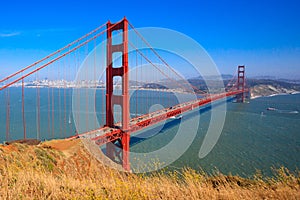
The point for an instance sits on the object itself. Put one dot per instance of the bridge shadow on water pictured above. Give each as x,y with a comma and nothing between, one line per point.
159,129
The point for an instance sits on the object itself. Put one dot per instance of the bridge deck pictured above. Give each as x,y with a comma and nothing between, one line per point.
108,134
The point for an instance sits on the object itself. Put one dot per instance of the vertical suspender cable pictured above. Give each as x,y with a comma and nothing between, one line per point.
170,93
65,101
59,102
86,91
23,111
95,83
69,76
145,78
103,110
141,76
71,121
49,104
136,89
7,115
79,86
38,120
52,111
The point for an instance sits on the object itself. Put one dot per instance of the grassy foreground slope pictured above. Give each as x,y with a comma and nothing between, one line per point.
64,169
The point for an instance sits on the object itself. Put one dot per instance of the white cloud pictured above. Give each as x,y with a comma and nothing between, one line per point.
12,34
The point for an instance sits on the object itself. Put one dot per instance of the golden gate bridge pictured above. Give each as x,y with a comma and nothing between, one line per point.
52,107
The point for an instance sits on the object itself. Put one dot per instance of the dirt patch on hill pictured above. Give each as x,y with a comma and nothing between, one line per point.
67,146
62,145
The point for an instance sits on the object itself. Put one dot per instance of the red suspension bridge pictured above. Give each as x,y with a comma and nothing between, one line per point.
37,98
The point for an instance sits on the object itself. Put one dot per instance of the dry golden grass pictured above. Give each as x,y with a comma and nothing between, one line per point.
48,171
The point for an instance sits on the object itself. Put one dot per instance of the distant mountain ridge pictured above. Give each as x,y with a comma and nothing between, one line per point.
258,87
214,77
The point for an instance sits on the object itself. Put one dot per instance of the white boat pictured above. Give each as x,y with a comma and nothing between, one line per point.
70,119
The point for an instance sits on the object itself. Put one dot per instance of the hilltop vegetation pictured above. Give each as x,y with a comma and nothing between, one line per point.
65,170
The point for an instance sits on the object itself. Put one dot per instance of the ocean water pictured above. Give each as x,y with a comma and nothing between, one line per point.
252,137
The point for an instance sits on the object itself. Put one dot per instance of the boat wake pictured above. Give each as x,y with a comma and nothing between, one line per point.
288,111
283,111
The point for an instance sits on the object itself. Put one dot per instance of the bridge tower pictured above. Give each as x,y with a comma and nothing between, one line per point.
241,84
118,149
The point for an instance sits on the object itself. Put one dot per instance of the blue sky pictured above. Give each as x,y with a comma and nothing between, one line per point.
263,35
